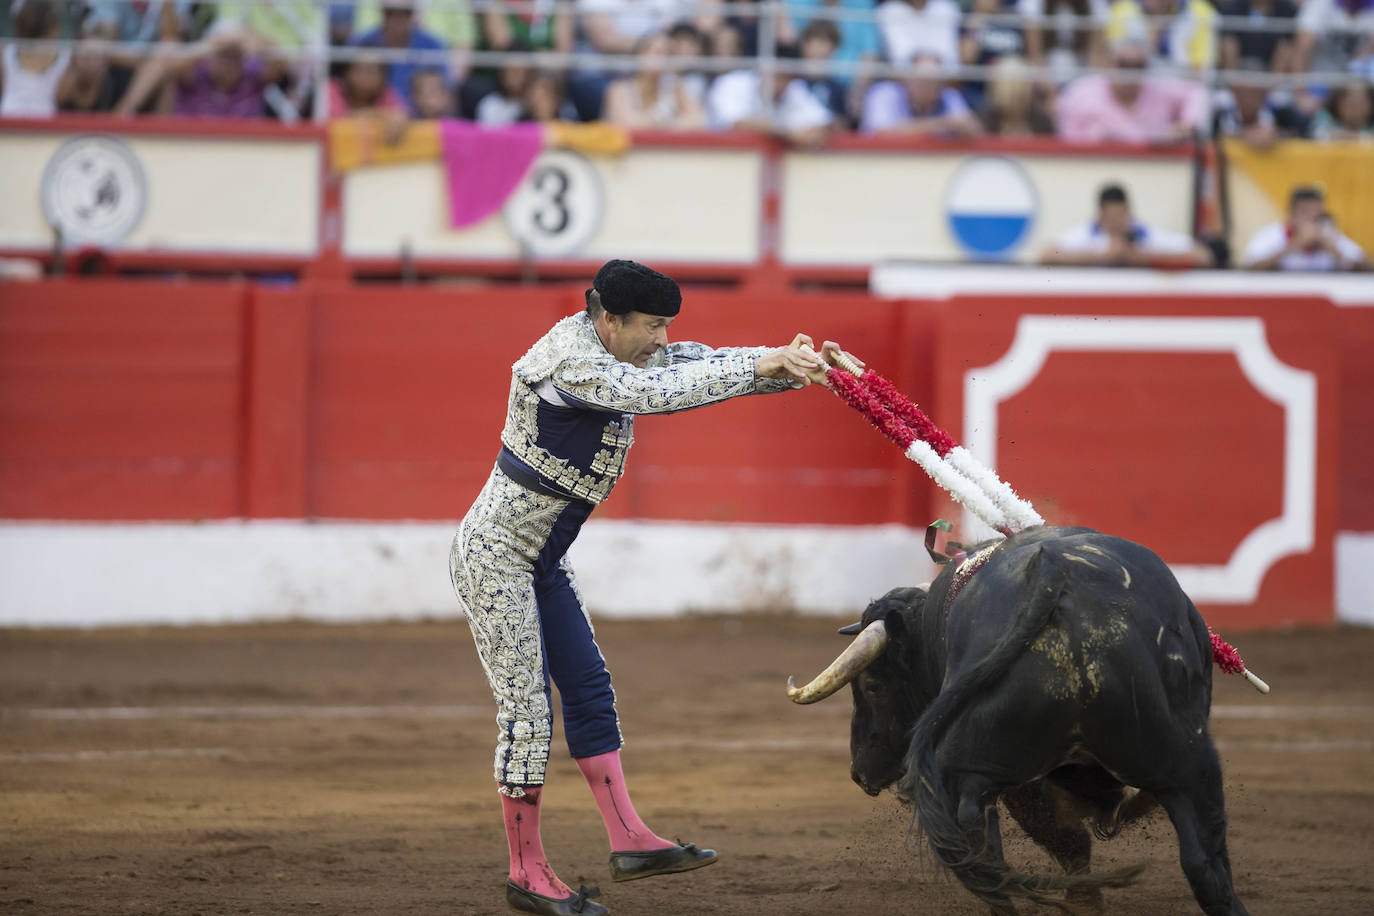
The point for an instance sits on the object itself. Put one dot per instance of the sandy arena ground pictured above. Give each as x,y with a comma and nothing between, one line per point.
316,769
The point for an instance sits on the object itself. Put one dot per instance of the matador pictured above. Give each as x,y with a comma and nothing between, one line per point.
573,399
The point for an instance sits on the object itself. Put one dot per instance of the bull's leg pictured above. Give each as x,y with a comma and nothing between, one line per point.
1067,840
1034,807
977,817
1198,811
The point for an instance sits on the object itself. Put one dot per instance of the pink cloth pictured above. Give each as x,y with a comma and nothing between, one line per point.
339,108
529,867
1089,113
624,828
485,165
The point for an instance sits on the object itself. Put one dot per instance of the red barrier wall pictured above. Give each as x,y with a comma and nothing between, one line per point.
121,401
127,400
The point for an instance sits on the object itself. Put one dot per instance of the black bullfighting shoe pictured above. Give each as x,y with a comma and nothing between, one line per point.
579,904
627,866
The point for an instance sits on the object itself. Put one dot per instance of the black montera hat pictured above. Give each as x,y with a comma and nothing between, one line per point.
628,286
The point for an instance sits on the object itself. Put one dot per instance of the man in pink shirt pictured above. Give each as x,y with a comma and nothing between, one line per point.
1157,109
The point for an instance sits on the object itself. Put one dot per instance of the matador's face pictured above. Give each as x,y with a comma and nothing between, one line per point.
634,337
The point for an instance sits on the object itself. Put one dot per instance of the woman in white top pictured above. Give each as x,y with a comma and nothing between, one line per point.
33,81
651,97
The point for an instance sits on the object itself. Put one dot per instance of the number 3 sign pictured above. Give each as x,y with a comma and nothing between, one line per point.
557,208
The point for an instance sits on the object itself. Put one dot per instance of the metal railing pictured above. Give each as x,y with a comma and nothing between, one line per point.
315,53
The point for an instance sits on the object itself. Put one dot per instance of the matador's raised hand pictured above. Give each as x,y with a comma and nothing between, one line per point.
831,354
791,362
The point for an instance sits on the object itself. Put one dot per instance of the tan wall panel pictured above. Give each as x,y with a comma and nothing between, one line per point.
858,208
672,205
204,194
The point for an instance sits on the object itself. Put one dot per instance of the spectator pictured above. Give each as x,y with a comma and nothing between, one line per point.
141,81
725,41
613,27
1188,41
1273,49
911,28
1144,109
363,92
651,97
920,104
363,89
399,31
686,40
984,43
1347,115
1332,34
227,78
451,22
1308,241
431,96
545,99
101,78
860,40
1244,110
502,101
290,26
1116,239
743,25
819,41
91,84
735,102
33,81
1073,40
1016,105
548,27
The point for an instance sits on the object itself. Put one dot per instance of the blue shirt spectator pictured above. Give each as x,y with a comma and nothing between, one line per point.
398,30
918,105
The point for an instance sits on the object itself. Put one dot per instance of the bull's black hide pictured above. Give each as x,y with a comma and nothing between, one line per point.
1070,667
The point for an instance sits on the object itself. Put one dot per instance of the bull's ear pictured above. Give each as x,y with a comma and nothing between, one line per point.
852,630
896,623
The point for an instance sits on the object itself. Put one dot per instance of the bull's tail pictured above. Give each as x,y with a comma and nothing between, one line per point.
966,851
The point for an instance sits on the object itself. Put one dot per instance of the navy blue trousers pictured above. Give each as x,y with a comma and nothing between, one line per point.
531,628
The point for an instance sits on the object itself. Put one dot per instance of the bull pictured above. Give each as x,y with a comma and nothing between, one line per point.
1068,676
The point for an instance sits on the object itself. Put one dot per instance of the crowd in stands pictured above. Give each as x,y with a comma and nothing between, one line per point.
1151,71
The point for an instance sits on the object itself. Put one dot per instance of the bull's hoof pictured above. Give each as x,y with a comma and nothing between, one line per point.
578,904
633,864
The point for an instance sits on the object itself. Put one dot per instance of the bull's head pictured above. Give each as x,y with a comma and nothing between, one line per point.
878,666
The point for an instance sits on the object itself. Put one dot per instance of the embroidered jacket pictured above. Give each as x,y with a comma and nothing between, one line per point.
570,421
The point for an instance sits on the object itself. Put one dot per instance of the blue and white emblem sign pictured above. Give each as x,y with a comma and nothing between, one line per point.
991,206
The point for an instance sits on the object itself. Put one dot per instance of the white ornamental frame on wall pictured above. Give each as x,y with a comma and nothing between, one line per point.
1295,390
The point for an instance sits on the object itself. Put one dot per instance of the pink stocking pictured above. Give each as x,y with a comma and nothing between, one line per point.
623,826
529,867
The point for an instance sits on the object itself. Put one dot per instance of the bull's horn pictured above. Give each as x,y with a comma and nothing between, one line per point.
857,656
852,629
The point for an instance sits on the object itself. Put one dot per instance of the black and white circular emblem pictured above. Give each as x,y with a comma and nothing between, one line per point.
94,190
557,209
